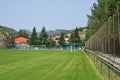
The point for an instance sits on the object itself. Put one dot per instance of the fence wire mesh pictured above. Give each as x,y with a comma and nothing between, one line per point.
107,39
106,42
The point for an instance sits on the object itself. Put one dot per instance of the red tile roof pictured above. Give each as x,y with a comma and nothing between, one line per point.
21,39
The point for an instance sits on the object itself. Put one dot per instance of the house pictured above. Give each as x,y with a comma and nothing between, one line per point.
21,42
55,38
82,34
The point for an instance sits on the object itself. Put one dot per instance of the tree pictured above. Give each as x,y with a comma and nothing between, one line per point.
23,32
34,37
62,40
52,43
43,37
74,38
11,41
101,12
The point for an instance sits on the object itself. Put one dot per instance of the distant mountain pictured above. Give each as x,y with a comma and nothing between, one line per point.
57,31
9,30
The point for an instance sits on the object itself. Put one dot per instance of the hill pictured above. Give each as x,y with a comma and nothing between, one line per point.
57,31
9,30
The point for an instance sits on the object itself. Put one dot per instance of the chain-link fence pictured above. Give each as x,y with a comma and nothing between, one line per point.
106,42
107,39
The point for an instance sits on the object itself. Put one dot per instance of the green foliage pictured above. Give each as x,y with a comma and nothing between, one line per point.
62,40
51,43
11,41
74,38
43,37
23,32
101,12
81,28
34,38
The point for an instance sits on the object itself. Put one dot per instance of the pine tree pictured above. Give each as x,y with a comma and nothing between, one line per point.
34,37
100,13
74,38
43,36
62,40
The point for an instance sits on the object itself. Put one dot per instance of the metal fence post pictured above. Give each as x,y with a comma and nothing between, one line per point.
114,37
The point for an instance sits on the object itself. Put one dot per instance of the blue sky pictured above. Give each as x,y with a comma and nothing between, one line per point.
53,14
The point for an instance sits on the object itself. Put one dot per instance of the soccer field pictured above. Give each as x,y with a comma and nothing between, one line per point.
46,65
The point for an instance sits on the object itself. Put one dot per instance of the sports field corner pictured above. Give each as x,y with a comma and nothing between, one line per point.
46,65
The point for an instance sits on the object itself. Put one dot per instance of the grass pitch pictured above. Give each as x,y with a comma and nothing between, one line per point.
46,65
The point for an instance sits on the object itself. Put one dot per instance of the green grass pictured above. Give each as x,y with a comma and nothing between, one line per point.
46,65
104,69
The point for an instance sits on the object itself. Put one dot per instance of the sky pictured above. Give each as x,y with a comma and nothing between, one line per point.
53,14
